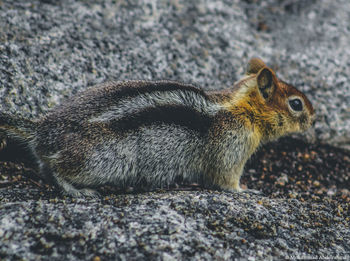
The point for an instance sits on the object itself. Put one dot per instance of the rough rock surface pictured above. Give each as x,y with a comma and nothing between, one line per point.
52,49
171,226
303,213
49,50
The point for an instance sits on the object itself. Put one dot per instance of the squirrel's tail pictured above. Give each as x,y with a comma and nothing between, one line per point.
16,127
17,139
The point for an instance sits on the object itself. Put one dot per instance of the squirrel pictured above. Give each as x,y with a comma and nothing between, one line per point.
150,134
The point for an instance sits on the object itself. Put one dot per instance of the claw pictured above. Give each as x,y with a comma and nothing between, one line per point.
247,191
90,193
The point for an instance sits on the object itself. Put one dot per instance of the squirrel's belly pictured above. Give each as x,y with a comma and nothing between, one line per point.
153,157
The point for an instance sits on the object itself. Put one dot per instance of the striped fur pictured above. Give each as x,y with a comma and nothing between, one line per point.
144,138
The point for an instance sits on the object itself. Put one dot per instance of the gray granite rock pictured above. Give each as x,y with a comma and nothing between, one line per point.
49,50
171,226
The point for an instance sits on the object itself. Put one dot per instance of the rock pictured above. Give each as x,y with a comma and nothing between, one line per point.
49,50
172,226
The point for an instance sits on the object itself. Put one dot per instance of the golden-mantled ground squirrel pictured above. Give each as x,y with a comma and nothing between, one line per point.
151,134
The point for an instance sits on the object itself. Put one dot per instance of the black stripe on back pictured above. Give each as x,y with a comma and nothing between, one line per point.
168,114
134,88
98,99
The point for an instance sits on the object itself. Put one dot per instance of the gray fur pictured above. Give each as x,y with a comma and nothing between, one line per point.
152,157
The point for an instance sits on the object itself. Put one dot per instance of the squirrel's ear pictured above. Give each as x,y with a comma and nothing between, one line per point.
265,81
254,66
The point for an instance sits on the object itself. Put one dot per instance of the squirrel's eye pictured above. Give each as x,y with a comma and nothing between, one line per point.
296,104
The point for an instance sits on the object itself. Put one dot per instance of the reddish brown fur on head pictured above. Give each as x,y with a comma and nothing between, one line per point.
285,109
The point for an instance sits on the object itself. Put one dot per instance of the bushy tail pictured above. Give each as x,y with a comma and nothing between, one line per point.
17,139
16,127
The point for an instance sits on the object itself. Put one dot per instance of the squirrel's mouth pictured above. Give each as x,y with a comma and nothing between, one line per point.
307,125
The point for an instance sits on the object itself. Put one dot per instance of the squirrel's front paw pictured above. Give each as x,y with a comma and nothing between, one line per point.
253,191
240,190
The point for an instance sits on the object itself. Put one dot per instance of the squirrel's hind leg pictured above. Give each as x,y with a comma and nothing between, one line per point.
69,189
65,187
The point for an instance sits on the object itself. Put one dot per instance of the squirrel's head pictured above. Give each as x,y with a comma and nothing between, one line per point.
278,108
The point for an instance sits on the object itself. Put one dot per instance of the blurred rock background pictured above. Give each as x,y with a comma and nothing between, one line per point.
49,49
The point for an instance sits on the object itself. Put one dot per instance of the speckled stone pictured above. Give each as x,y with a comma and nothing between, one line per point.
49,50
171,226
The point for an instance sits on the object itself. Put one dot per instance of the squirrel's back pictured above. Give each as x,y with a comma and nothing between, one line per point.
114,100
120,107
